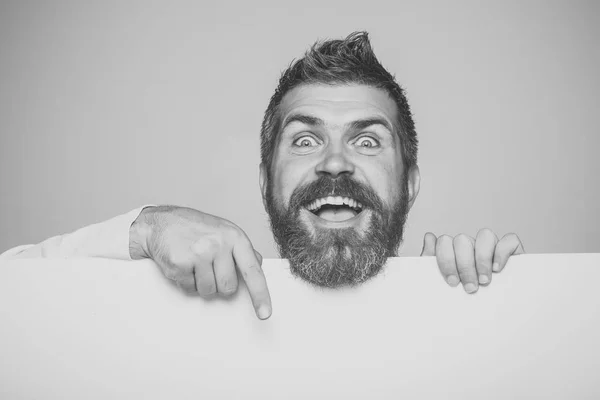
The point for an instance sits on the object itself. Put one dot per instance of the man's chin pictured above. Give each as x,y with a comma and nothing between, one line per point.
334,254
338,265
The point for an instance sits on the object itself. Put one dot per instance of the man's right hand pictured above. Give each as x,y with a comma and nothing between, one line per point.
200,252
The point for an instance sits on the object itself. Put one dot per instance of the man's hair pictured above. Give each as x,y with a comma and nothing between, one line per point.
339,62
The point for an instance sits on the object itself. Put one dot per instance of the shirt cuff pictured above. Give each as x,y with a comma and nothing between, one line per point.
109,239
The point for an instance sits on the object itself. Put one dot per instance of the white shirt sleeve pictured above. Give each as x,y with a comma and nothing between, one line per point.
108,239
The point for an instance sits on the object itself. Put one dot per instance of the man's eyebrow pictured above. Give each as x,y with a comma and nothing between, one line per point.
303,118
356,125
365,123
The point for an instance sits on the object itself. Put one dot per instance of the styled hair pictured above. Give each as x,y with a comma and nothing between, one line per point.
339,62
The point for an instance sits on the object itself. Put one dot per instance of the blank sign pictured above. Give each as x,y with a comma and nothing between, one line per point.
98,329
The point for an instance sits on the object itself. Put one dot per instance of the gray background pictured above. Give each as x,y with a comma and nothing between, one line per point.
107,106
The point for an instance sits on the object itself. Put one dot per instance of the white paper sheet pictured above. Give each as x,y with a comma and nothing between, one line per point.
98,329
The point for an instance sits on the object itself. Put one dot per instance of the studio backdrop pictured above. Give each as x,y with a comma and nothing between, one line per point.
106,106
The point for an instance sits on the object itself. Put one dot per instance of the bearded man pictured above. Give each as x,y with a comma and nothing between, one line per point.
338,176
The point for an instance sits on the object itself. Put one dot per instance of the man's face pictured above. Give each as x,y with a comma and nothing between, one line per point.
337,197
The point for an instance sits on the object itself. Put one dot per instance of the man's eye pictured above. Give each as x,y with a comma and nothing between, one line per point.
306,141
367,142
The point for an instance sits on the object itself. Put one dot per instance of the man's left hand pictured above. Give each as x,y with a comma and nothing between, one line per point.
471,260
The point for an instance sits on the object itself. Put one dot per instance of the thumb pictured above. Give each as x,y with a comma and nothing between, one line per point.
509,245
429,242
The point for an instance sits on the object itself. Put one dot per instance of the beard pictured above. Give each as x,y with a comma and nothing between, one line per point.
336,257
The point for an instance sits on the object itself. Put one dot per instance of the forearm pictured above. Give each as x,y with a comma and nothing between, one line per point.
108,239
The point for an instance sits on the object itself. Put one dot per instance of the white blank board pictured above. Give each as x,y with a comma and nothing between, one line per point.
98,329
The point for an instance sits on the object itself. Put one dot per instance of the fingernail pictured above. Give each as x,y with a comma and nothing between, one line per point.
452,280
483,279
264,312
496,267
470,288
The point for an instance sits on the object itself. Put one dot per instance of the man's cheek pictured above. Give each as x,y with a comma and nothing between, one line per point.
283,198
280,201
291,177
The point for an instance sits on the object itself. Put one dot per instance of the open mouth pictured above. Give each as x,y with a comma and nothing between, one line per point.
335,208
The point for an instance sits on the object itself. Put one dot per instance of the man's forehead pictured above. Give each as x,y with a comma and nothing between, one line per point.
338,104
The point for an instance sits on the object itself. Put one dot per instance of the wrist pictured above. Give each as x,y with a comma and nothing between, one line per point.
139,232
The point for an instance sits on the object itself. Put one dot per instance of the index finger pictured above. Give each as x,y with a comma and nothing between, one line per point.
250,268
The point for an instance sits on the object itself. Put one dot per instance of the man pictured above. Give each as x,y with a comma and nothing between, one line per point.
338,176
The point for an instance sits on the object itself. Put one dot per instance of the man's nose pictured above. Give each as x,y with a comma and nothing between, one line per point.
334,163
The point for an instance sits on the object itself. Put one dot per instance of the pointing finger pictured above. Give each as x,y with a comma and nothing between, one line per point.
250,268
509,245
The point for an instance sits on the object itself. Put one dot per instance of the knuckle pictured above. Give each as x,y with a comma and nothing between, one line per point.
235,232
240,237
252,270
467,272
207,246
212,244
178,259
483,261
228,286
447,267
254,267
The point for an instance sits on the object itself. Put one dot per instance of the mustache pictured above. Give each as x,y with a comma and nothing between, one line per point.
343,186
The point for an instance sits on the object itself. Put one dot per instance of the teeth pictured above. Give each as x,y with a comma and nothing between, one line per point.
337,200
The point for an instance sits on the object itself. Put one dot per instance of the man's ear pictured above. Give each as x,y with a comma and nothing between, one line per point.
414,184
262,180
